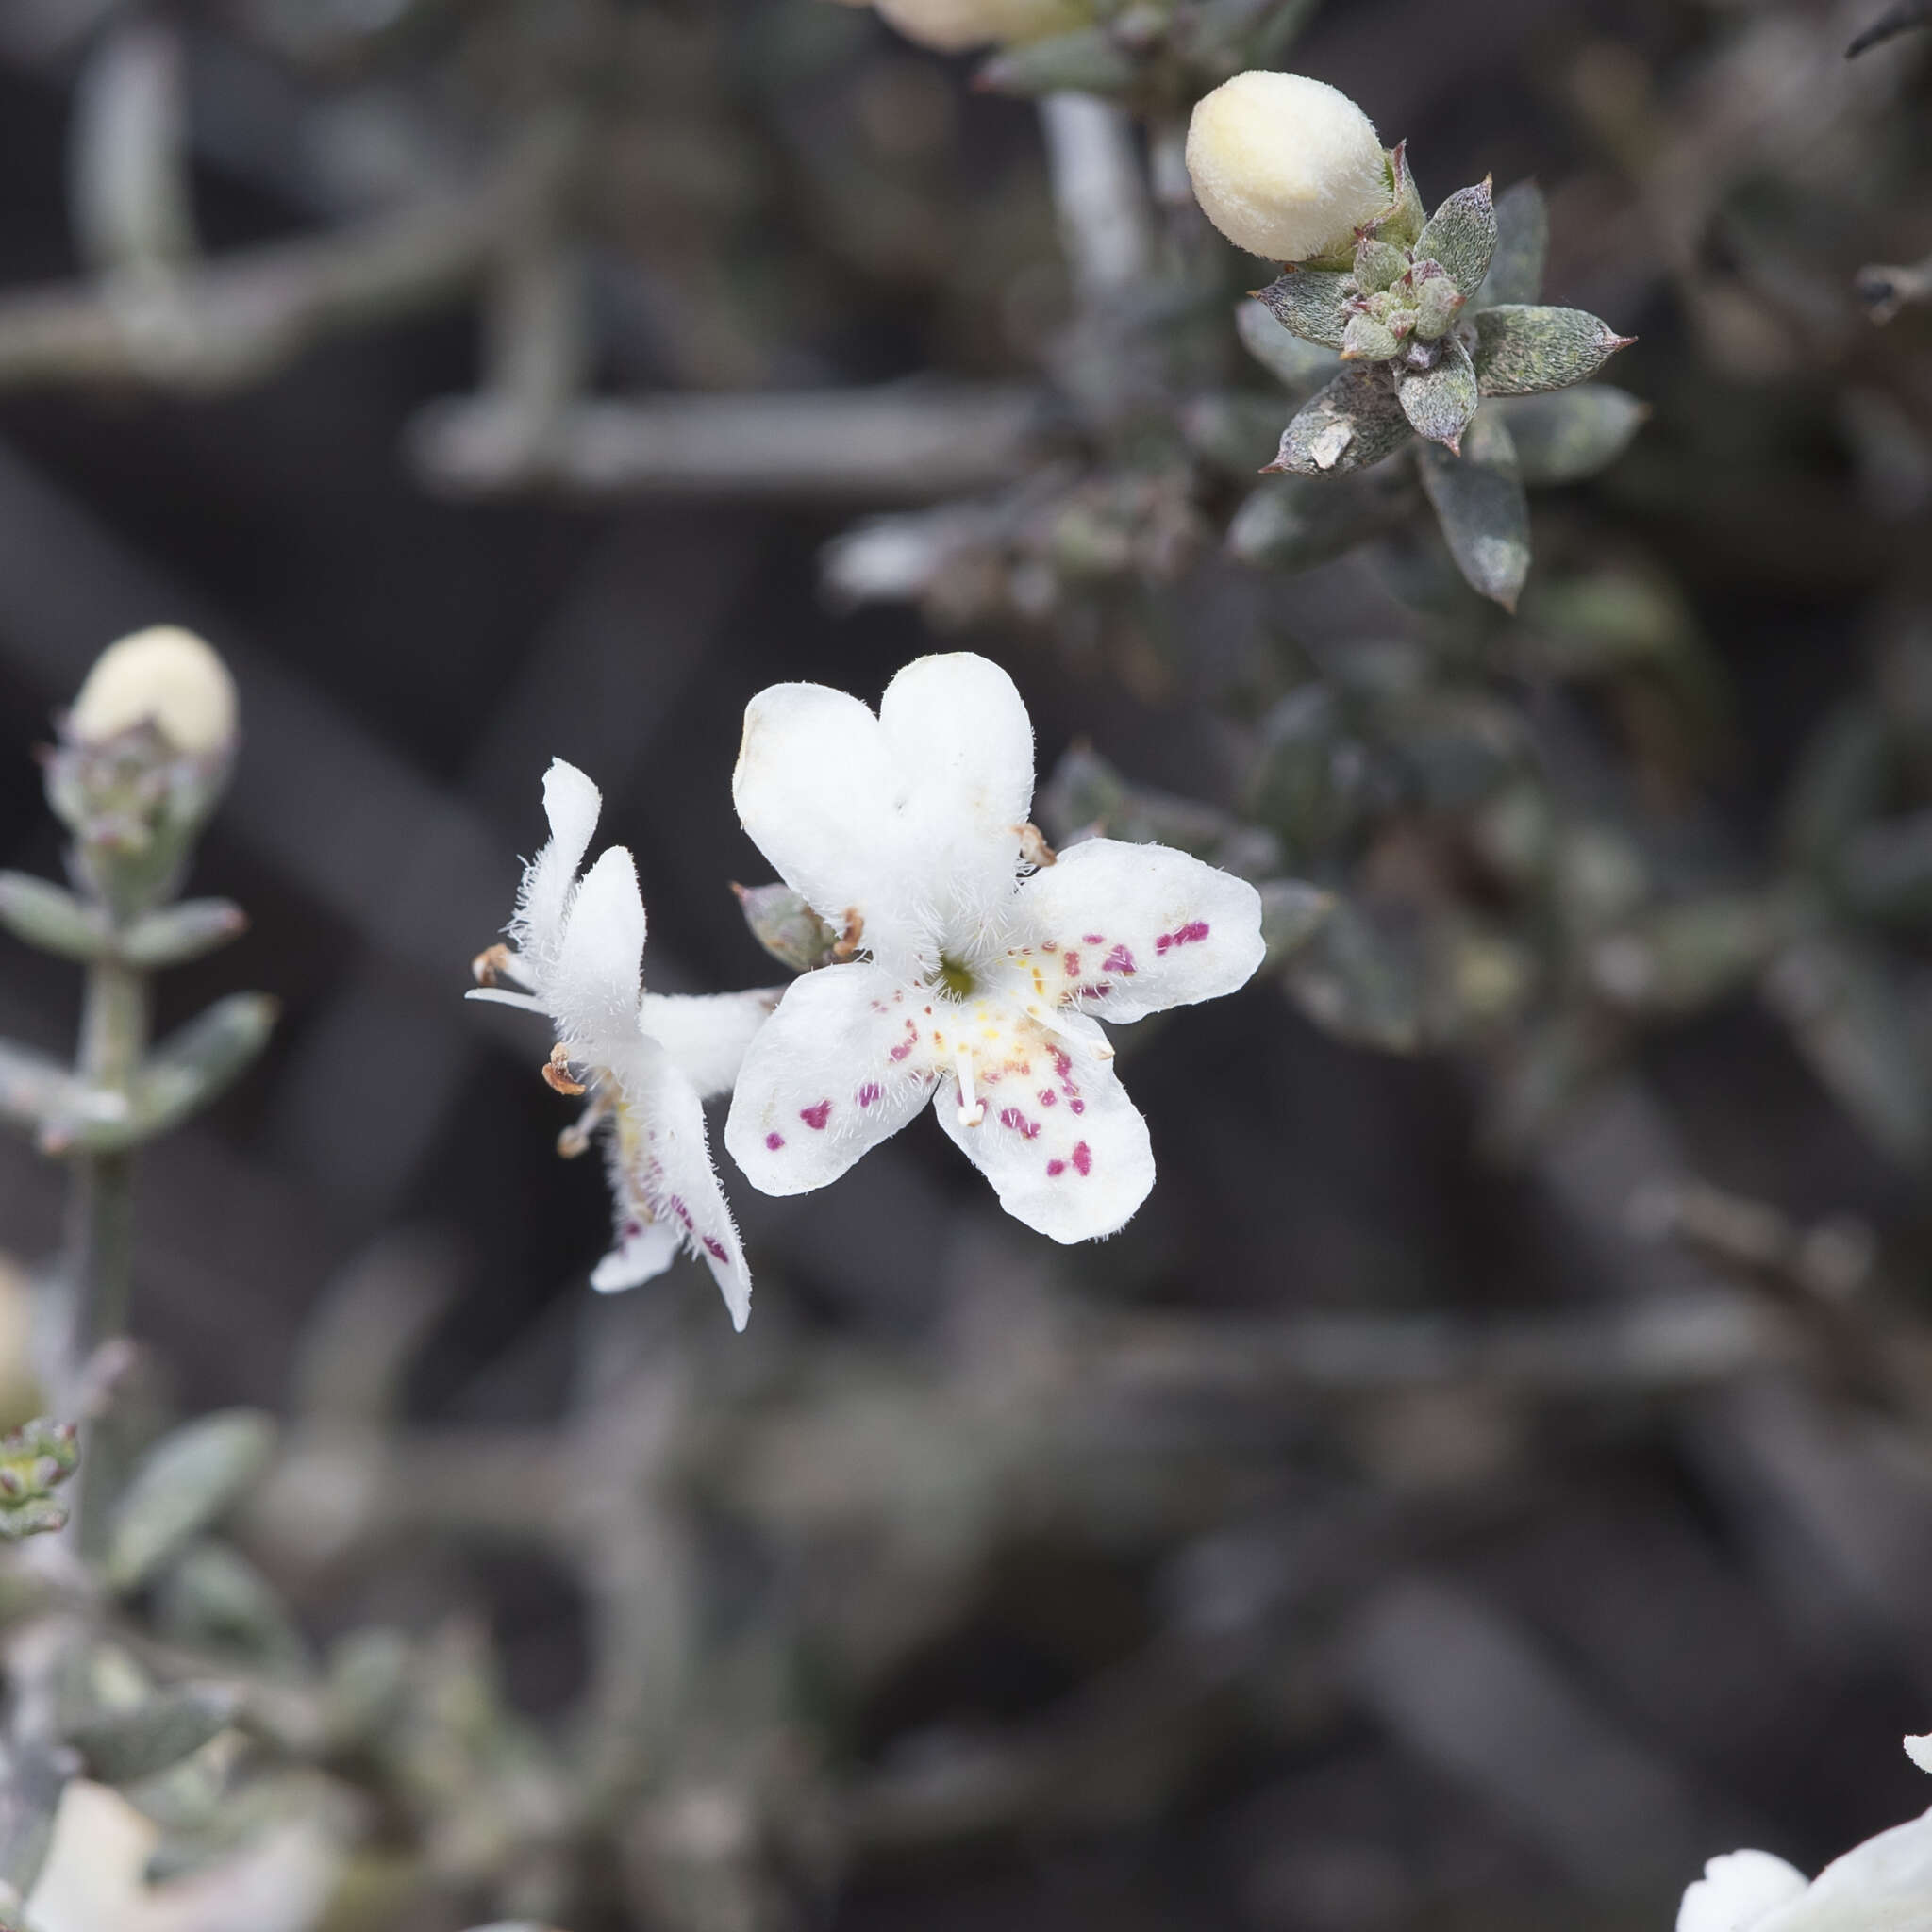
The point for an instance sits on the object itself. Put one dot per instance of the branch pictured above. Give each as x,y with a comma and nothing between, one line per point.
1899,19
237,321
896,442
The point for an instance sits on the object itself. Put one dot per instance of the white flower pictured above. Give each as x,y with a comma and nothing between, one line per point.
981,988
1884,1885
166,677
1284,166
94,1878
647,1060
952,26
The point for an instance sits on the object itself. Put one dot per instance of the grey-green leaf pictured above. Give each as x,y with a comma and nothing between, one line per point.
1365,340
120,1746
50,918
33,1773
1570,434
182,1485
1523,247
1461,235
1293,912
1522,351
1439,402
1312,303
1296,522
1300,367
1479,502
1852,1023
184,931
1354,422
1088,60
1404,222
194,1065
786,926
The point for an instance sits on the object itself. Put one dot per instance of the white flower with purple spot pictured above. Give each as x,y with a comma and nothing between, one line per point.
1884,1885
648,1061
980,983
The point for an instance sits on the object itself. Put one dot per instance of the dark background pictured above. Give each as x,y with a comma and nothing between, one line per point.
1274,1653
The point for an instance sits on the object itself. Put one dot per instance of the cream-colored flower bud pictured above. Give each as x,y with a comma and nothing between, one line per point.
1284,166
954,26
167,677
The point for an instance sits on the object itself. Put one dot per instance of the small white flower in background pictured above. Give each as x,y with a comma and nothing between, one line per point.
1884,1885
952,26
94,1878
907,829
166,677
647,1060
1284,166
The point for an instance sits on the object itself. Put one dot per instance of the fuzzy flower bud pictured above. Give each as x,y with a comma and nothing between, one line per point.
954,26
1285,167
166,677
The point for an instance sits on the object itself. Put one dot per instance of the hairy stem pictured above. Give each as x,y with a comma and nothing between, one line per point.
100,1238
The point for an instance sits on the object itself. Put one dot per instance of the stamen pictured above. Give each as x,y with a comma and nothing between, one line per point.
576,1138
557,1072
491,964
972,1108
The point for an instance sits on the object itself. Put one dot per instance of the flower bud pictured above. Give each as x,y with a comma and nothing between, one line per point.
954,26
166,677
1285,167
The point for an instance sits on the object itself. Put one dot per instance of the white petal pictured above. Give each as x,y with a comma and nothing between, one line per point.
844,1062
964,745
661,1166
1919,1751
594,988
1887,1881
1736,1891
643,1253
92,1878
1065,1149
501,996
1136,928
706,1035
571,803
816,789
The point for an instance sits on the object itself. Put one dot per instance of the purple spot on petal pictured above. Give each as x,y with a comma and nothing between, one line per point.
775,1141
1094,938
870,1092
1191,934
1119,960
1054,1169
817,1115
714,1246
1083,1158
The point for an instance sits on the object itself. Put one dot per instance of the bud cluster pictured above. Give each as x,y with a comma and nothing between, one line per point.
140,761
35,1460
1429,316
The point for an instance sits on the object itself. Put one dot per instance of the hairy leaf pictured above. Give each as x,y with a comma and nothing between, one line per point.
1439,402
1479,502
1522,246
1311,302
1366,339
120,1746
1300,367
1571,434
1461,235
182,1485
1088,60
1354,422
1522,351
1296,522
